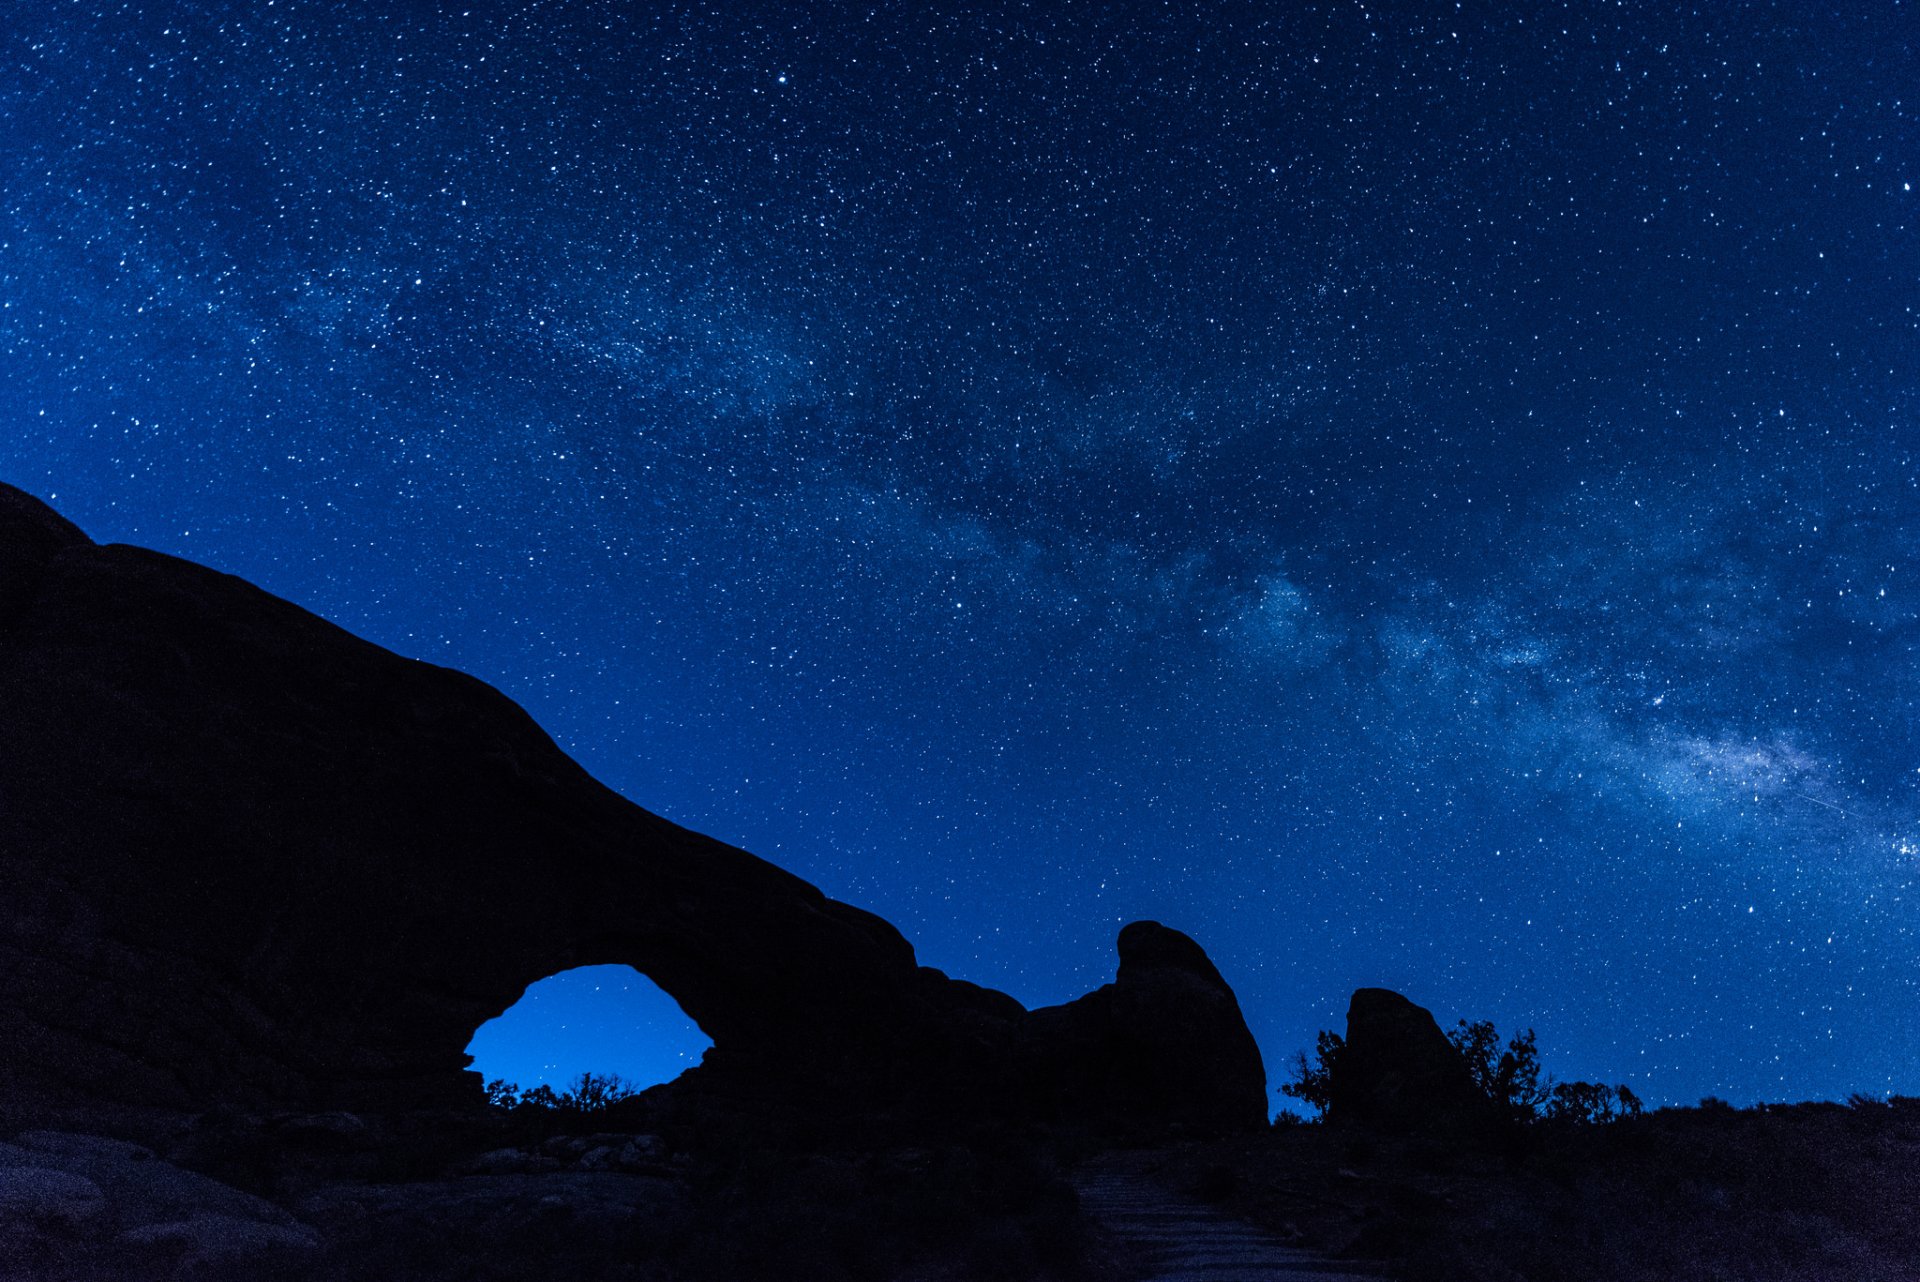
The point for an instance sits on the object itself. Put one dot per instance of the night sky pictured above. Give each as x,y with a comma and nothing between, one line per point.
1419,495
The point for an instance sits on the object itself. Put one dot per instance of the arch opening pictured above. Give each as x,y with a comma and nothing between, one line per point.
591,1019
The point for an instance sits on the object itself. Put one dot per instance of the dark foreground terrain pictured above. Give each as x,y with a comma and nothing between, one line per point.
1799,1191
1809,1192
337,1196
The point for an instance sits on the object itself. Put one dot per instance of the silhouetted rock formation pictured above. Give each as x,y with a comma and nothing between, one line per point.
1398,1072
249,860
1164,1041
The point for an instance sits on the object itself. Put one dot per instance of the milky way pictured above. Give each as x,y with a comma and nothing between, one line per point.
1411,495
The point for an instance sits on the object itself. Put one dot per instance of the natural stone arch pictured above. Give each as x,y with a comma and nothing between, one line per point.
248,860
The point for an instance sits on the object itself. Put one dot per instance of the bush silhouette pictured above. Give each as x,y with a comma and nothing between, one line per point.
1512,1079
589,1093
1590,1103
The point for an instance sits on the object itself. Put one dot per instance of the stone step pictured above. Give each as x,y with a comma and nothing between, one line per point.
1175,1239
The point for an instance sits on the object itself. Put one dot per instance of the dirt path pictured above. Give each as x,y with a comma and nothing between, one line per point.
1176,1239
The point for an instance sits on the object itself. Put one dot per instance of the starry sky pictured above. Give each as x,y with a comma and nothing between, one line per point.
1410,494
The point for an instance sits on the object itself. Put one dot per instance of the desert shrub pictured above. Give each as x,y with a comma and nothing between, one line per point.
589,1093
1590,1103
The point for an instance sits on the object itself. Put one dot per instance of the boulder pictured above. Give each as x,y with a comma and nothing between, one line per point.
139,1186
1163,1045
1399,1073
89,1207
40,1196
214,1248
561,1225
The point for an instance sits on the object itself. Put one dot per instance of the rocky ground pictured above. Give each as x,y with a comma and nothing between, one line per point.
1803,1192
331,1197
1807,1192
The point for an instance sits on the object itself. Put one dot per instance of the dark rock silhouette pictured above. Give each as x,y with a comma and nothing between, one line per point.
1164,1041
1398,1072
248,860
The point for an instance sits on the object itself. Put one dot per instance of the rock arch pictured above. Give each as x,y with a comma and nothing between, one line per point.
251,860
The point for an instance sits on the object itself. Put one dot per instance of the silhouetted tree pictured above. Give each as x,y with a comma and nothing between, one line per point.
1591,1103
1312,1082
1513,1081
589,1093
1510,1077
592,1092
